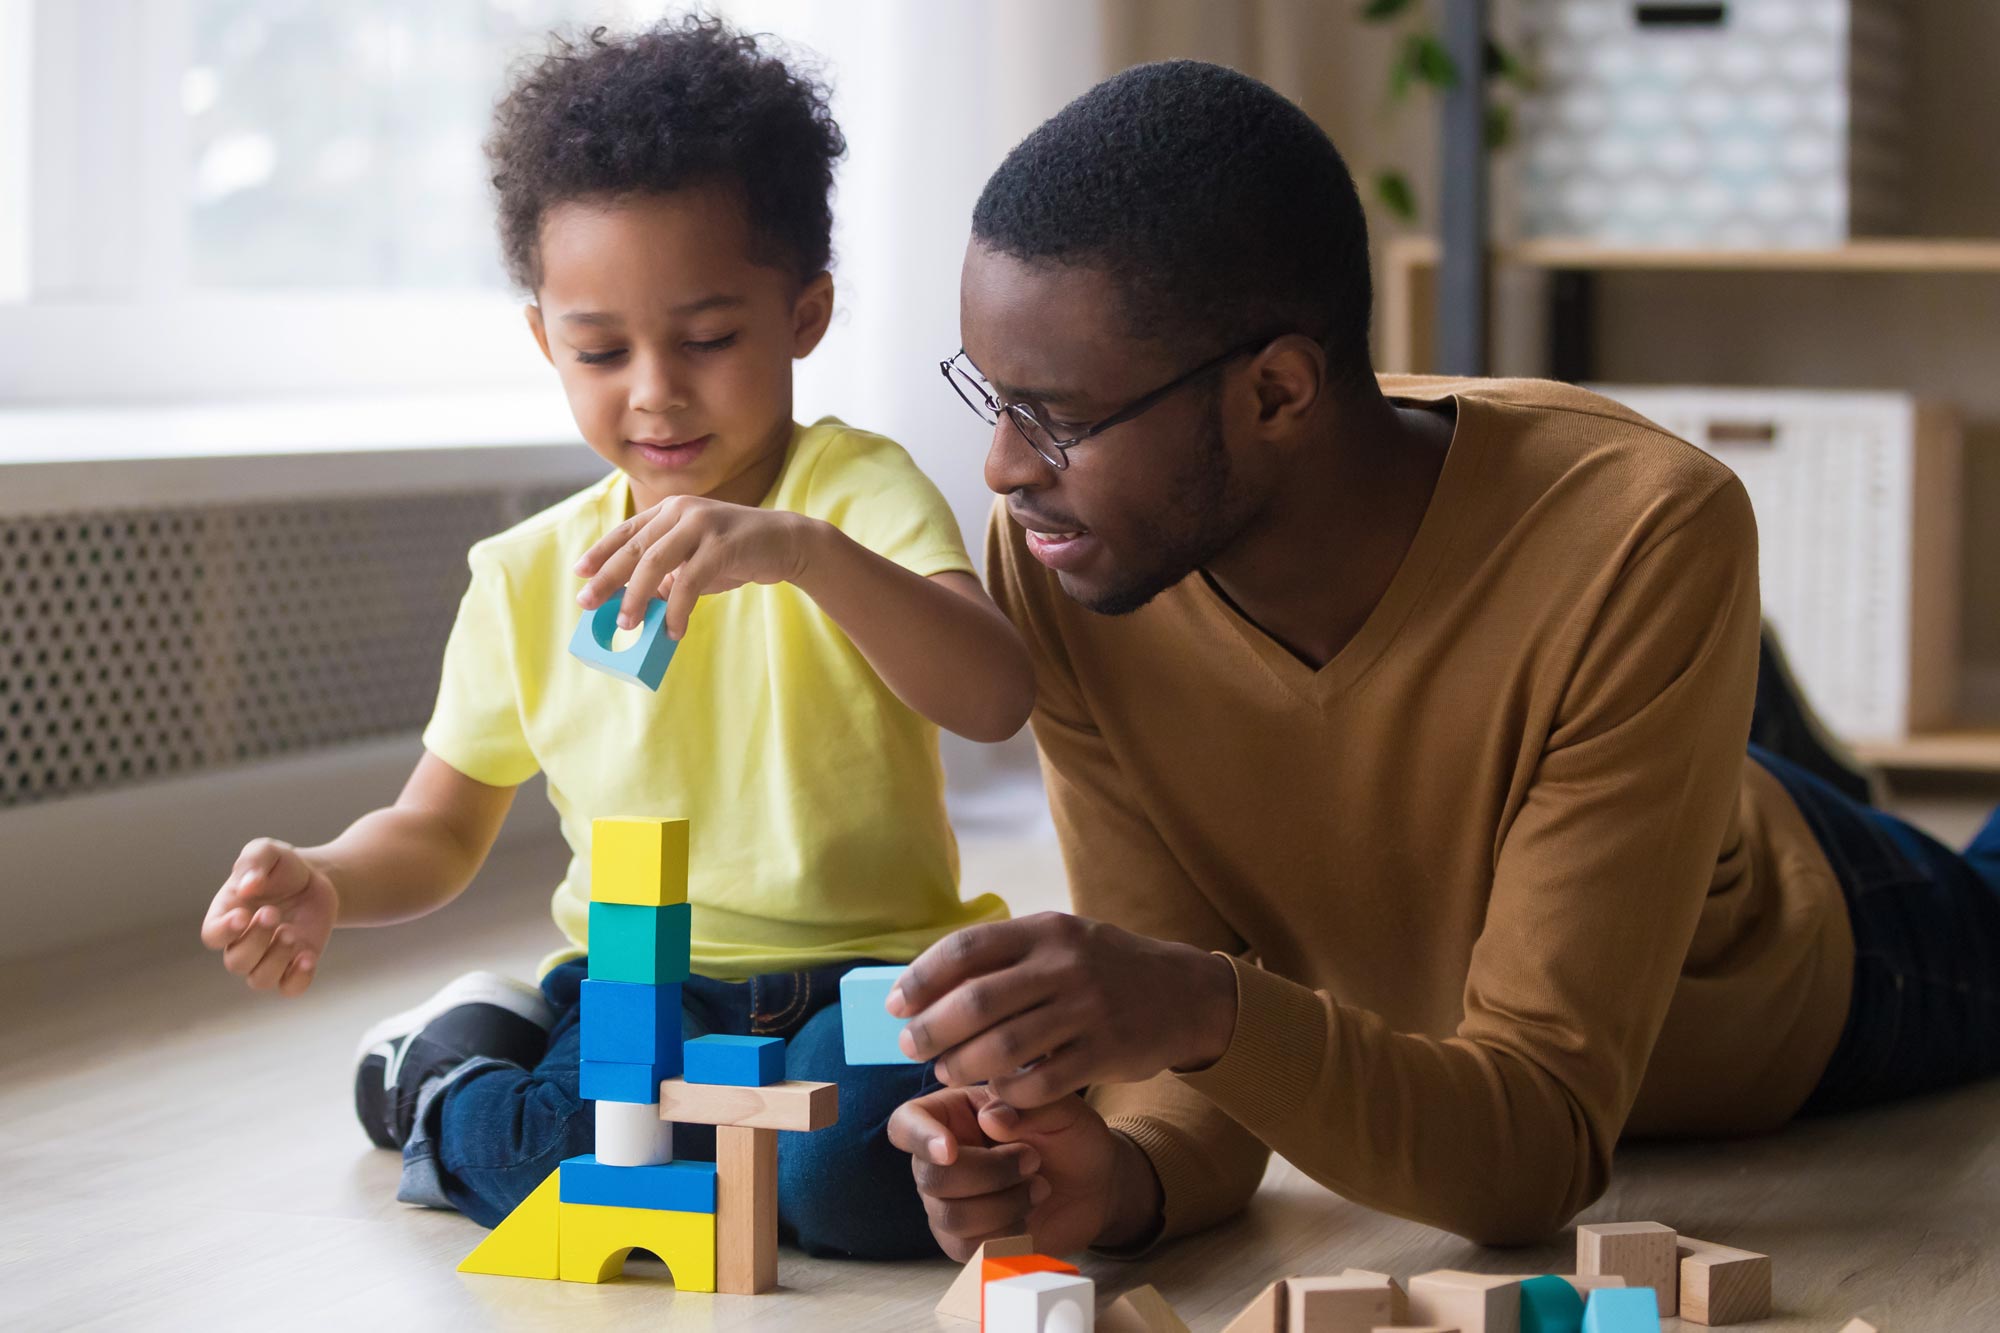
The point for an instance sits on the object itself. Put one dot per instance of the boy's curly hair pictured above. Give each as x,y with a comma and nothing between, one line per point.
685,102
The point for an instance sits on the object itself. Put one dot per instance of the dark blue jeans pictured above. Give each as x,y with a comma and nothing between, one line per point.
1926,1007
487,1137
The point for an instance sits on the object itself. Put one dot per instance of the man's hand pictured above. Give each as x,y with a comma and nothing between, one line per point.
1040,1007
1058,1173
272,918
685,546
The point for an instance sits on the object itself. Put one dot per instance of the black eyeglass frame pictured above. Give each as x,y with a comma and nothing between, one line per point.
1056,454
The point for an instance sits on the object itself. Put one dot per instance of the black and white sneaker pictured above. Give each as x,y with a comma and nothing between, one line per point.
481,1013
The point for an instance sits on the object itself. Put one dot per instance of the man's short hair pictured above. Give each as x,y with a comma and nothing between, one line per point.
1219,208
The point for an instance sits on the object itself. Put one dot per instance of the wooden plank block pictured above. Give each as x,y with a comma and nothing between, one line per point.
1473,1302
1140,1310
1723,1285
961,1299
1399,1297
1643,1253
1859,1326
746,1210
1266,1314
791,1105
1337,1304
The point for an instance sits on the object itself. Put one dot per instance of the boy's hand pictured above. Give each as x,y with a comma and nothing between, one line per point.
685,546
272,917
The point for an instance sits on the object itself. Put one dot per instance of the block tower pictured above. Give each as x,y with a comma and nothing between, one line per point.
714,1224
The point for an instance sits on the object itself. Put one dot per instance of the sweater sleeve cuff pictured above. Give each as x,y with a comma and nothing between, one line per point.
1267,1073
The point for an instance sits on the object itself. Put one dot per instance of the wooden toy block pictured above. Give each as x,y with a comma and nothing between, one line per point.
1550,1305
739,1062
647,946
1408,1328
867,1031
680,1187
1265,1314
1337,1304
643,663
615,1081
526,1242
1643,1253
594,1241
1723,1285
1473,1302
1583,1286
1044,1302
1399,1296
632,1134
1859,1326
790,1105
638,862
746,1210
1622,1310
1014,1265
961,1299
624,1023
1141,1310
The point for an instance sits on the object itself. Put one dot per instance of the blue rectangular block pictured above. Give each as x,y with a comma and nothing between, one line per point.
625,1023
741,1062
866,1030
680,1187
1622,1310
609,1081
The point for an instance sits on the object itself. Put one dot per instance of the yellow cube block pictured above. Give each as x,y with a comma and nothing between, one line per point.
643,862
594,1240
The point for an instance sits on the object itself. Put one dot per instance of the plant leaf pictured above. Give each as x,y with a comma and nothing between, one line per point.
1501,63
1376,11
1499,126
1432,62
1393,189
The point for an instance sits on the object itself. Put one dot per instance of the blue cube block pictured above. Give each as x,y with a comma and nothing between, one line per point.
742,1062
866,1030
647,946
644,663
610,1081
680,1187
1550,1305
1622,1310
624,1023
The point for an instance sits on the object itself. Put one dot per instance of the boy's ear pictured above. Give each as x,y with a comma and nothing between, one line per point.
534,314
811,313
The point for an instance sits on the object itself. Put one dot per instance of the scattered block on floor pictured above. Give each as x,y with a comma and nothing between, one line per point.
867,1031
1550,1305
647,946
961,1299
1470,1302
1622,1310
626,1023
638,862
632,1133
739,1062
680,1187
1643,1253
1859,1326
1723,1285
1583,1286
1399,1296
746,1210
792,1105
615,1081
1337,1304
999,1269
1041,1302
526,1242
643,663
1140,1310
594,1241
1265,1314
1408,1328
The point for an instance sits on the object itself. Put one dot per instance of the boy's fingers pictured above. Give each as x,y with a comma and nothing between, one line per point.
977,1171
222,925
956,958
601,549
299,975
247,949
269,969
1009,1047
914,1130
689,582
1002,1213
1049,1081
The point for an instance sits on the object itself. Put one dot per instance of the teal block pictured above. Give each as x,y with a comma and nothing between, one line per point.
628,1024
867,1032
679,1187
1550,1305
643,663
615,1081
647,946
1622,1310
742,1062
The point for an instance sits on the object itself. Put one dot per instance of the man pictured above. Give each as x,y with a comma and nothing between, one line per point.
1396,736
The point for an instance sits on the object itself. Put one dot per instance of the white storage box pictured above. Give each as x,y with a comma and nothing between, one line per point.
1858,518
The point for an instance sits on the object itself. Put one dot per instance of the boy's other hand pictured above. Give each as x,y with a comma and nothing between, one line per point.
685,546
272,918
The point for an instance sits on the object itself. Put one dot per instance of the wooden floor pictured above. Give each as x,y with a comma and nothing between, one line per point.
175,1152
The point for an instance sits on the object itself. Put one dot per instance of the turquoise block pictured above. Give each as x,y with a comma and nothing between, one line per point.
643,663
1622,1310
679,1187
742,1062
628,1024
614,1081
647,946
1550,1305
867,1031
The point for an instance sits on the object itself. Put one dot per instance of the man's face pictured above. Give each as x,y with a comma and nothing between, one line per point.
1141,506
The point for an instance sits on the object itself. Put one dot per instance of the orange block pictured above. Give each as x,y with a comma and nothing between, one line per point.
1015,1265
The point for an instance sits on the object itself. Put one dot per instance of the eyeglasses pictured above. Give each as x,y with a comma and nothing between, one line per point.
1034,427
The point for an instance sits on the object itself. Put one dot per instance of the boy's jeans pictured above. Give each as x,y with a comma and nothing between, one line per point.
493,1131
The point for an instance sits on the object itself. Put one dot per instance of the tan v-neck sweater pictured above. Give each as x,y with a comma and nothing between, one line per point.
1501,882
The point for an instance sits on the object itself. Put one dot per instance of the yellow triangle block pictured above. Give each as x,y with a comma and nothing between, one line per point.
596,1238
526,1243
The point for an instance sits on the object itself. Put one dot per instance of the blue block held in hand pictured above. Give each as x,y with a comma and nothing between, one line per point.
644,663
867,1030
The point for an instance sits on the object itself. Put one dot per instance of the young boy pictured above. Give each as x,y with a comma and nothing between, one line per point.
663,197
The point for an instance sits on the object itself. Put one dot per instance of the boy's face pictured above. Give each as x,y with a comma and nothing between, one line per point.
674,346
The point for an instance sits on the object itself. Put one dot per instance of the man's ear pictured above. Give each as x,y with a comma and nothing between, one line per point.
534,314
1289,377
811,313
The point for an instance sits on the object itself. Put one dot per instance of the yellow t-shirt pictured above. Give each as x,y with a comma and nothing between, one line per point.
815,797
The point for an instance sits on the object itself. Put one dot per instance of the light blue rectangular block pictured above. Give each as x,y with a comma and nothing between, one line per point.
680,1187
644,663
630,1024
1622,1310
867,1030
614,1081
740,1062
